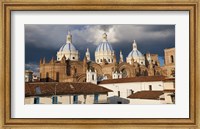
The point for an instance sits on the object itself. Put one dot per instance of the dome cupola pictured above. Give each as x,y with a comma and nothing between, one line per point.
68,50
104,51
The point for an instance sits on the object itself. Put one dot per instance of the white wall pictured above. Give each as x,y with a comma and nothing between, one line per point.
125,90
169,85
68,99
146,101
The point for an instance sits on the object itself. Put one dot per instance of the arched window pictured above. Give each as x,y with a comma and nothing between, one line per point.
47,77
150,87
57,76
92,77
172,59
124,73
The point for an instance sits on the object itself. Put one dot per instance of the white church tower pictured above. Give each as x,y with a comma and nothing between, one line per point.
68,50
121,57
87,54
91,76
116,75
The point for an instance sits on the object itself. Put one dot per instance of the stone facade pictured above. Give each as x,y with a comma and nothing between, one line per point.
75,71
169,67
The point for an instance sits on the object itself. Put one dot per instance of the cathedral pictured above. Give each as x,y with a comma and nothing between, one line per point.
69,68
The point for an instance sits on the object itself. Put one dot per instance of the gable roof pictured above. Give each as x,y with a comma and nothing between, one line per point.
146,95
62,88
134,79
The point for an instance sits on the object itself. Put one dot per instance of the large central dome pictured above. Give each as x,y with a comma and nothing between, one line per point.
68,50
104,51
104,45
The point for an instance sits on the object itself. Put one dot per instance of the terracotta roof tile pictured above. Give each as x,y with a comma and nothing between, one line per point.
134,79
169,90
169,80
52,88
146,95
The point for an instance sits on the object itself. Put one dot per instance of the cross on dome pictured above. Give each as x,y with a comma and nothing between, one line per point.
104,37
134,45
69,37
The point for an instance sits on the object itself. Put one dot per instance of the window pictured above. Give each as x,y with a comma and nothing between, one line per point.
36,100
97,60
92,77
108,60
96,97
75,99
124,73
141,62
47,77
54,100
119,102
57,76
118,93
172,59
101,60
37,90
150,87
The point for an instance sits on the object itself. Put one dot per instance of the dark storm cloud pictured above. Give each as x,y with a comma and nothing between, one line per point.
34,54
160,28
45,40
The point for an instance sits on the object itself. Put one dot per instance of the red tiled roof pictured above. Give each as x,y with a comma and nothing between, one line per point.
146,95
169,80
52,88
134,79
169,90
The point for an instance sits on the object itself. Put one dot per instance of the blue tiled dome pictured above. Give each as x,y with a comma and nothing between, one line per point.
104,46
67,47
135,53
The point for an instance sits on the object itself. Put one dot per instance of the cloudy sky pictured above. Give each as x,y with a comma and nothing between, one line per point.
45,40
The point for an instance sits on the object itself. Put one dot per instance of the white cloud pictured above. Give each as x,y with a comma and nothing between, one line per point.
32,66
53,36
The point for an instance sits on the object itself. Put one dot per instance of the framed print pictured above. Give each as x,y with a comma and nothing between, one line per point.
95,64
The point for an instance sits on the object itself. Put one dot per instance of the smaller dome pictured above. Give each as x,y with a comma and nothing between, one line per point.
135,52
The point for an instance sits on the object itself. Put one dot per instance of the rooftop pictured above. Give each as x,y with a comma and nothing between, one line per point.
146,95
134,79
62,88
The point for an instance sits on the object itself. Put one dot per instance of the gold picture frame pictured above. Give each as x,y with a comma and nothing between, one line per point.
145,5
